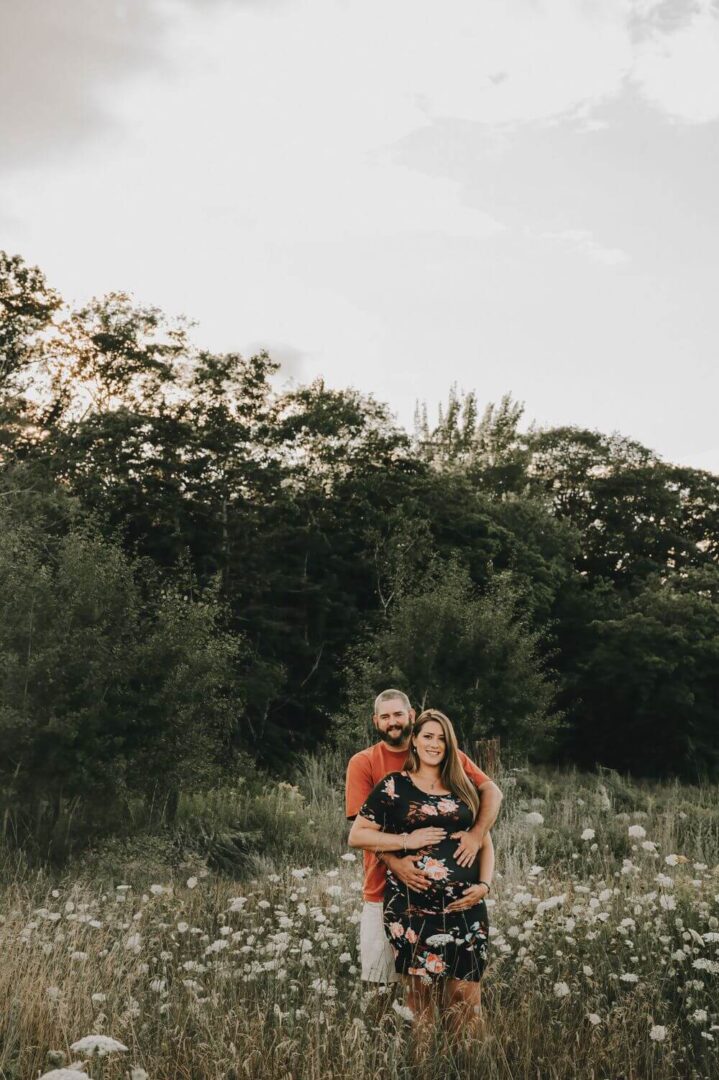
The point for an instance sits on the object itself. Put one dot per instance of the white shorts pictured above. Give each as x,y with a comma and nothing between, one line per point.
376,953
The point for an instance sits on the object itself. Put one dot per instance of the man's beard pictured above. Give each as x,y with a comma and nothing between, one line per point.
396,738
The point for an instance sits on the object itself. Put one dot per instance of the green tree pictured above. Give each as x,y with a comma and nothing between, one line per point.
111,684
471,654
648,689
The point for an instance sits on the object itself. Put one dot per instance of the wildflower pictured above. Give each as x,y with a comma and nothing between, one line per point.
699,1016
78,955
64,1074
671,860
98,999
333,890
237,903
561,989
658,1033
588,971
534,818
649,845
348,856
98,1044
588,834
439,939
182,927
345,958
191,882
53,992
404,1011
668,903
157,890
629,977
594,1019
138,1074
637,832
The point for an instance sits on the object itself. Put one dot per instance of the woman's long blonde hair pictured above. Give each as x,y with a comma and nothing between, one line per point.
453,775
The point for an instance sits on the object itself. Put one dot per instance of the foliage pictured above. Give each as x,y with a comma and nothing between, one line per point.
112,682
471,654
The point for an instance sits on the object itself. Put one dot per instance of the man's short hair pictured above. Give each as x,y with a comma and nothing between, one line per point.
389,695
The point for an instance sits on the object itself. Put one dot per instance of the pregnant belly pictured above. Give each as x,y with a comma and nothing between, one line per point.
446,875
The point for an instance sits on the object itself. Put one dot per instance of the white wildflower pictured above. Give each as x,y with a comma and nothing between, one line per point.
629,977
671,860
98,1044
138,1074
534,818
348,856
404,1011
436,940
637,832
658,1033
561,989
157,890
191,883
588,834
699,1016
98,999
594,1019
64,1074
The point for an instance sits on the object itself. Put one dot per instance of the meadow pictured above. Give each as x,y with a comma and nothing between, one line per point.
229,949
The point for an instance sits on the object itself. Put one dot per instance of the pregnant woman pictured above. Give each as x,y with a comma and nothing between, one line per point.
439,936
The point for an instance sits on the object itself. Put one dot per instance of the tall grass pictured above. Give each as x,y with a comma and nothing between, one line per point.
255,975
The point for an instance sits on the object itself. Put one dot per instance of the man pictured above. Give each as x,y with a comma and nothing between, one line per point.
393,719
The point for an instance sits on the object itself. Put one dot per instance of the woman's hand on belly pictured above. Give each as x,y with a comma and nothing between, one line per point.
469,898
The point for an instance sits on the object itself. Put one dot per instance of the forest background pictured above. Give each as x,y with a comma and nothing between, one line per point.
204,572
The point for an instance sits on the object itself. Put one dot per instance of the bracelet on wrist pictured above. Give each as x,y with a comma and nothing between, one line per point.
482,882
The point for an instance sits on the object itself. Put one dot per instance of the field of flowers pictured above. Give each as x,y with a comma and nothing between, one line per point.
604,953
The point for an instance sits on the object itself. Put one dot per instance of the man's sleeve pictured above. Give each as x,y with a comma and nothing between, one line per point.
473,771
358,785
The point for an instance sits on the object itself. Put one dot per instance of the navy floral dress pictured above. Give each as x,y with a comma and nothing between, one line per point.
426,939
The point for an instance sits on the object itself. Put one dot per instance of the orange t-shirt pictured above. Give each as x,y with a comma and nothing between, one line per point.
365,770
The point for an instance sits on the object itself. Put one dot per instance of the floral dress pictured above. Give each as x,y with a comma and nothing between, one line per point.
426,939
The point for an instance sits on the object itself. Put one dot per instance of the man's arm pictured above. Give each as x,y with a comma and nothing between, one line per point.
358,786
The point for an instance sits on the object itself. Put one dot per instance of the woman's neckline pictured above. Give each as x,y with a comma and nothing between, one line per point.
436,794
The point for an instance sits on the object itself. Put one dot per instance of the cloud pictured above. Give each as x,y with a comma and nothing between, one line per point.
582,242
678,71
56,61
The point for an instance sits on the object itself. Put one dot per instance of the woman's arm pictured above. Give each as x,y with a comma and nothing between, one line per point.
368,835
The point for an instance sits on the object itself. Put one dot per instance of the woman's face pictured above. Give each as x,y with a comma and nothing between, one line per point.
430,743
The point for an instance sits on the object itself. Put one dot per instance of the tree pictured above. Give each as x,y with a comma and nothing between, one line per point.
111,683
471,654
648,689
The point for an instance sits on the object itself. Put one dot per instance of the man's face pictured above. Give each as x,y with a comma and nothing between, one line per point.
394,721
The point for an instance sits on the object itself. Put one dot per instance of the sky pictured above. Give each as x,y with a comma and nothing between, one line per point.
513,196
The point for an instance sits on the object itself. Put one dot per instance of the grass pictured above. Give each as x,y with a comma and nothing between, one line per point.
242,960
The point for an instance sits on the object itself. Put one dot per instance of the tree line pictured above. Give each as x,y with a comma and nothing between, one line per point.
197,564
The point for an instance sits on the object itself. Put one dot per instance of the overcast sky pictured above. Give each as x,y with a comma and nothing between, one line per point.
513,195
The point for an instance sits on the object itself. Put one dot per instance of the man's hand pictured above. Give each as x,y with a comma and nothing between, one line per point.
468,849
469,898
407,872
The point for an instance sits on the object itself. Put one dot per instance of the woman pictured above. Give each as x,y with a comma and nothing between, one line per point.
439,937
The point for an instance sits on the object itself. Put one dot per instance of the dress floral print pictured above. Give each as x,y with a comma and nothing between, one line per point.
426,939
